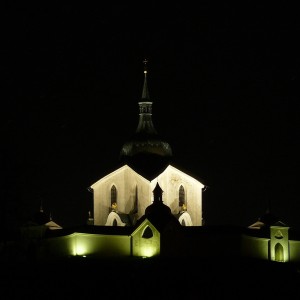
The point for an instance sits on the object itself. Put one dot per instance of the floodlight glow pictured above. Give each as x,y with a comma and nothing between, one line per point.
148,251
81,249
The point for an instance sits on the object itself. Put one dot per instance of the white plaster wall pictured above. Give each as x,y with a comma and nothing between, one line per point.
134,180
102,192
126,180
170,181
294,247
255,247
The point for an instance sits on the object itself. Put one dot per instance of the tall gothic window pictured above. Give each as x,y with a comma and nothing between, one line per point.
279,256
113,195
181,196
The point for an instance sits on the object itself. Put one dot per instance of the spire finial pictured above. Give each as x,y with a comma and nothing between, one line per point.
145,61
145,94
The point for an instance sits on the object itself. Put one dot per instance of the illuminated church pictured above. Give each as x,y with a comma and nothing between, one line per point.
121,197
148,207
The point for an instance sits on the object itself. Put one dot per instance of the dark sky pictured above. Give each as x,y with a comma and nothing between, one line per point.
223,79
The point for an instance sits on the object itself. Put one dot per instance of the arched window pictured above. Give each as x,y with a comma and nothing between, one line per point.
181,196
113,195
147,234
279,252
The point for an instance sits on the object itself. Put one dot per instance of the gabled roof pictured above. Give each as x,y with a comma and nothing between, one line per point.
120,169
177,170
280,223
52,225
191,173
256,225
266,220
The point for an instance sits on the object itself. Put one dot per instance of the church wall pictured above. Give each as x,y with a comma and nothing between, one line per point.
81,244
57,247
205,244
136,186
98,245
102,194
170,181
127,183
294,247
279,238
194,202
145,246
130,184
101,202
255,247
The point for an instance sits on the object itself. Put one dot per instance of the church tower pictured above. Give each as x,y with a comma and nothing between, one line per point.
146,151
122,196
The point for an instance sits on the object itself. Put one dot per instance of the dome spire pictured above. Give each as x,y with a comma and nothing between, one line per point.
145,94
145,124
146,151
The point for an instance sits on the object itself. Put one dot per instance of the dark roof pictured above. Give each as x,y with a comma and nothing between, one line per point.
146,151
40,218
269,219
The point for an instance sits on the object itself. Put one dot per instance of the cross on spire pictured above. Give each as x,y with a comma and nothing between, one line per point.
145,61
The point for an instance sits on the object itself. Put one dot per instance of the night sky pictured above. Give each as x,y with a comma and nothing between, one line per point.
223,78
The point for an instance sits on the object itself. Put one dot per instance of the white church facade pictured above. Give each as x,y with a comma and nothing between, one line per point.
130,191
133,193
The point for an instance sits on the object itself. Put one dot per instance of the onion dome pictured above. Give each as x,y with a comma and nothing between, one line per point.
146,151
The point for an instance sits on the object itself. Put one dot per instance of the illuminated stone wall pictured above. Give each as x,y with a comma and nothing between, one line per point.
83,244
99,245
255,247
146,244
147,241
277,247
294,247
131,186
57,247
279,243
170,181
